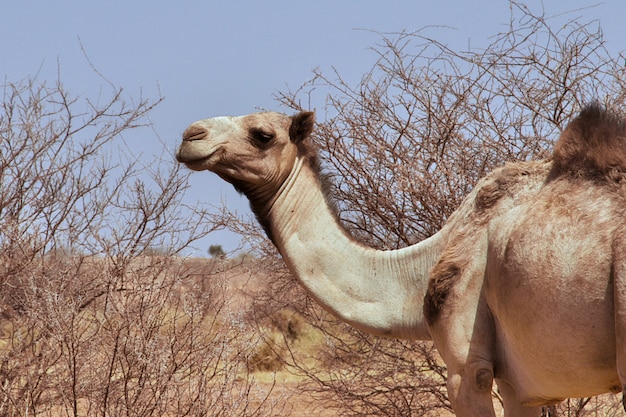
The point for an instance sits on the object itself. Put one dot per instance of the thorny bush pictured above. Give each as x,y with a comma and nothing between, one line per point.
99,313
407,143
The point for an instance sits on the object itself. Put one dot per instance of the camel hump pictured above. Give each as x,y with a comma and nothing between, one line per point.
593,145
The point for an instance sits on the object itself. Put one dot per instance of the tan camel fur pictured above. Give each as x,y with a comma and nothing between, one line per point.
525,284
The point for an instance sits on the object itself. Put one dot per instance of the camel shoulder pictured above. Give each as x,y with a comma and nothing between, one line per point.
495,194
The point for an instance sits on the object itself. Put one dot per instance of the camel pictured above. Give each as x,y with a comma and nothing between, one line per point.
525,285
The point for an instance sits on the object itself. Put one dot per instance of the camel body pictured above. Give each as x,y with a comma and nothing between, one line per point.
554,317
524,284
532,299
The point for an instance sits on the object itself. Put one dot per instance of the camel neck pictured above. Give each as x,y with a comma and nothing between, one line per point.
380,292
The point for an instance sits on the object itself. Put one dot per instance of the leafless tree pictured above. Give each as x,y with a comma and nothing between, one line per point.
100,312
407,143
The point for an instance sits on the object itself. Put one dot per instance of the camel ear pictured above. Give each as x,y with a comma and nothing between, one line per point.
301,126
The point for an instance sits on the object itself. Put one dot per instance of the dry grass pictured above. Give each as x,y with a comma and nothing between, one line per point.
193,337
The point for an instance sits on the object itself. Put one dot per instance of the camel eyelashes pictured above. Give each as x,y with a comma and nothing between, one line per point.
262,136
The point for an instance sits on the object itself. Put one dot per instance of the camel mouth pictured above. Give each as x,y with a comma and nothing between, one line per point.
194,160
185,158
198,164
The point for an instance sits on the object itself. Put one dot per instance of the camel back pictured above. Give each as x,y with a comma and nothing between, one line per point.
592,146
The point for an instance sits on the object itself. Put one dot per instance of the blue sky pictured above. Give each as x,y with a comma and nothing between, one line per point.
210,58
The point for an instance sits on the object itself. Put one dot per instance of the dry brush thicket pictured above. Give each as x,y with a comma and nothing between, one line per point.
101,315
408,142
99,312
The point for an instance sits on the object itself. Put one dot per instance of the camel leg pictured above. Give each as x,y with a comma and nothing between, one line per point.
512,406
468,354
469,391
464,333
619,288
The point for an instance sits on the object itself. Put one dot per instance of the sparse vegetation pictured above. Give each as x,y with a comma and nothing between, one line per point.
101,314
216,251
95,320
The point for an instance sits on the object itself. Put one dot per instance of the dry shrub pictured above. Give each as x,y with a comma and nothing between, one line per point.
100,313
267,356
421,127
155,345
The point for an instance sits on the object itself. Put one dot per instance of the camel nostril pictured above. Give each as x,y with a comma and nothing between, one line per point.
195,133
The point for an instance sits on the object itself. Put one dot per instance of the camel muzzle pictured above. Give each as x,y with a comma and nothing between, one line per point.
195,133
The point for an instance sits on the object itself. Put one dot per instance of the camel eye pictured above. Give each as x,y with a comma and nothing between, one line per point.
261,136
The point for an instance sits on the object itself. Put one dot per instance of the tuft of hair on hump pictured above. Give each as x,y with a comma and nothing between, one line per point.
592,146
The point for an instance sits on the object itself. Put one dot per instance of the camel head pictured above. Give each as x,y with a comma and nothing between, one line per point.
253,152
